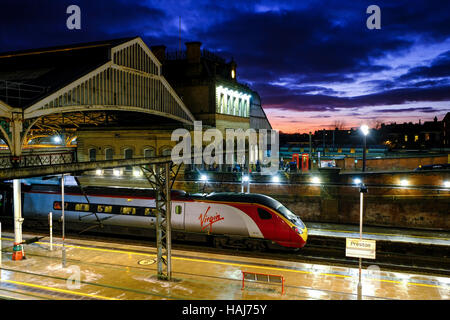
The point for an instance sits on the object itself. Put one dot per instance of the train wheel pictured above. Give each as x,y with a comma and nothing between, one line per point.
256,245
218,242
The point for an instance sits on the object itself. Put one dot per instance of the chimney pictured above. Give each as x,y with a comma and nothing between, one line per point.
159,52
193,53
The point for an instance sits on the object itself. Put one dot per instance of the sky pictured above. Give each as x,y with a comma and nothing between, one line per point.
315,64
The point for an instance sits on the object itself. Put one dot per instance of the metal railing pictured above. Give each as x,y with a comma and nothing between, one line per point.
33,160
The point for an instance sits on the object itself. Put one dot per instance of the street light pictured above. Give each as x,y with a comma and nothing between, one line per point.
404,182
357,181
57,139
203,177
276,179
365,131
446,184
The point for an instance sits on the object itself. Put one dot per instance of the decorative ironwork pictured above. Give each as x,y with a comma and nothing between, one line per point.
34,160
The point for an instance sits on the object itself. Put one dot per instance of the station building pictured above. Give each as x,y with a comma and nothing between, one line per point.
119,99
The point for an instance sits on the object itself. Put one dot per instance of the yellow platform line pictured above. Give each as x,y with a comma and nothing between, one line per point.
242,265
56,289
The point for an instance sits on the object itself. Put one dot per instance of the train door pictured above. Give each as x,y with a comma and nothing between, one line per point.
177,218
266,223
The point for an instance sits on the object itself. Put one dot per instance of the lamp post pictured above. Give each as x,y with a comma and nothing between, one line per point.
365,131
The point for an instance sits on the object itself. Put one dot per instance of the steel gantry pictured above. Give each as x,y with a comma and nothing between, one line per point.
161,177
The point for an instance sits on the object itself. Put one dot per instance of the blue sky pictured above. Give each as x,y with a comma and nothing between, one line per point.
314,63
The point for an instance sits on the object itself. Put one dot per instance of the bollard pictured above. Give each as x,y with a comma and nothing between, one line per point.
50,222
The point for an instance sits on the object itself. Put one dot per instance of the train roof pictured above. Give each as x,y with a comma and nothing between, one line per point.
148,192
239,197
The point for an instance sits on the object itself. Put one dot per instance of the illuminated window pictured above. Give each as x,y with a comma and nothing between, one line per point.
178,209
150,212
233,74
82,207
416,138
232,102
427,136
57,205
127,210
104,209
406,138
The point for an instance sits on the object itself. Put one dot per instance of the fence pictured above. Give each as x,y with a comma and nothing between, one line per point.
262,278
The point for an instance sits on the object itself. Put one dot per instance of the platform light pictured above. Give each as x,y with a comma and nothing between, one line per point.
137,173
276,179
57,139
404,182
446,184
203,177
98,172
245,178
357,181
116,172
315,180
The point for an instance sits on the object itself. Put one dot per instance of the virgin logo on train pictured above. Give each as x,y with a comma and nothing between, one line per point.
207,221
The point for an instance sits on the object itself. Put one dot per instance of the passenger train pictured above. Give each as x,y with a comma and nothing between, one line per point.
254,221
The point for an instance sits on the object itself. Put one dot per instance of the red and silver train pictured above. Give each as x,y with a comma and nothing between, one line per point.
254,221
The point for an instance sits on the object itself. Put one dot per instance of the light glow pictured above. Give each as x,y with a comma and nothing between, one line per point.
365,129
315,180
447,184
137,173
404,182
245,178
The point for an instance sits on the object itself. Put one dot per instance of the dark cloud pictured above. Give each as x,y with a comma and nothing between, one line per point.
399,110
440,67
305,102
313,47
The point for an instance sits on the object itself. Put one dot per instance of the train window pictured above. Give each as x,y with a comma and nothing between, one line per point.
57,205
150,212
127,210
104,209
263,214
82,207
178,209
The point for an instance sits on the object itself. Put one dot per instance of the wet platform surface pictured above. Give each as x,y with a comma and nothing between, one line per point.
441,238
111,270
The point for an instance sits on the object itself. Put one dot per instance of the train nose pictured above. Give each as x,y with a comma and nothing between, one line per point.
304,235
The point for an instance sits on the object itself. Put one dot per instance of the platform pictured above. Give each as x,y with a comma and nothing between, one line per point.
440,238
113,270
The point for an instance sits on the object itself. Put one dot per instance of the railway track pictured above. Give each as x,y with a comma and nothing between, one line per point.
302,292
391,256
